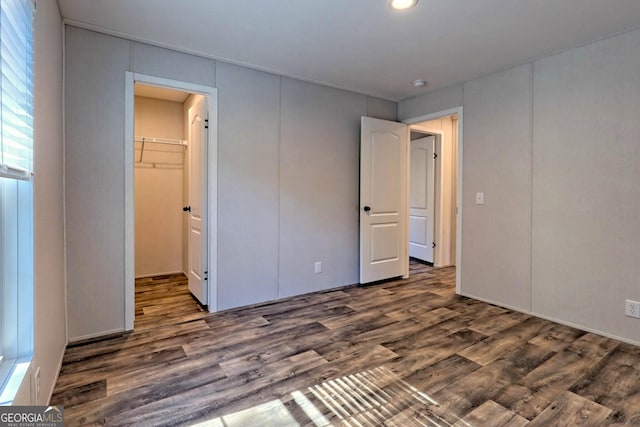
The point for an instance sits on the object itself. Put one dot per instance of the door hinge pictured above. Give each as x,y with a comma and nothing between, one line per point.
433,245
206,123
435,156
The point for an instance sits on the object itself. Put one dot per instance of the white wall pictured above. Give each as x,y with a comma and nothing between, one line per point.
50,322
287,173
497,161
159,181
94,177
586,185
433,102
248,198
319,190
554,146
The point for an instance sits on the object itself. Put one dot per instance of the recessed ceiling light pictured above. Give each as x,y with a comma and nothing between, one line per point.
402,4
419,83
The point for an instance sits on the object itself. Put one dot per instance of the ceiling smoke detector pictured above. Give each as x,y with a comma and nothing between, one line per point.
402,4
419,83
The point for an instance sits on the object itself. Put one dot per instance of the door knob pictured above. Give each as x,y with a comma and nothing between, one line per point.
187,208
367,208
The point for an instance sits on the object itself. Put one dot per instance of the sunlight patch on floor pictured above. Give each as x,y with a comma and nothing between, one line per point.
271,413
376,397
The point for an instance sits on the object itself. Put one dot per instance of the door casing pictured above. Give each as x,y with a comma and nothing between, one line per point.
211,94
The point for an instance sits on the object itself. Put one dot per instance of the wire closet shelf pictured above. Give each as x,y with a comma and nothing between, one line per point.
159,145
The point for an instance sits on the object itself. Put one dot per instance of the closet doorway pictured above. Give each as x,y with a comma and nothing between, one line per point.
168,175
160,181
170,247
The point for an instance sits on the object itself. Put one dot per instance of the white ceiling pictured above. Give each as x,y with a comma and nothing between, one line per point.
363,45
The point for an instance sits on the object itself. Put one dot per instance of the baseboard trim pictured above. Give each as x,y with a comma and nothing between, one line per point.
96,336
55,380
170,273
552,319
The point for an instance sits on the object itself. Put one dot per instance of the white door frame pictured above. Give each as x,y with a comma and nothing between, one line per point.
457,111
212,192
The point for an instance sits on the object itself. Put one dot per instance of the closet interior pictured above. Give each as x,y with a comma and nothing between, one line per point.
160,176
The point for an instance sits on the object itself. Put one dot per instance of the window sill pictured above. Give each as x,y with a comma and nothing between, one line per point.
19,373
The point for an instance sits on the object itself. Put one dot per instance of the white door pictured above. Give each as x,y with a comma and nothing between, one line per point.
383,200
422,198
197,149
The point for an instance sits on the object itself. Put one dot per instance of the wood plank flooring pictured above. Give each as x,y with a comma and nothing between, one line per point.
402,353
165,300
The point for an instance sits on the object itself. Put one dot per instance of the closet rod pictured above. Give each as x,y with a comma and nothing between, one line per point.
161,140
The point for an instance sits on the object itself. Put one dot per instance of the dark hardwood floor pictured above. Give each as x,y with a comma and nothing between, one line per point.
403,353
165,300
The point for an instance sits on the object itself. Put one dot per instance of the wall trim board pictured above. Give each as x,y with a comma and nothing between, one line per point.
63,109
129,200
553,319
432,116
98,335
212,161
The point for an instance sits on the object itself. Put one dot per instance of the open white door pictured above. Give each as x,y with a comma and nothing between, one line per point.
198,201
383,200
422,199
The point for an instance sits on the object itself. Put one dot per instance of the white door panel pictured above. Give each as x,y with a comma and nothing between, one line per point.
384,243
383,189
418,185
422,199
418,230
385,155
198,202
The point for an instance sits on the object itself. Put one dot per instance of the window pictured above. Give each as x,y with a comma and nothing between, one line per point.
16,192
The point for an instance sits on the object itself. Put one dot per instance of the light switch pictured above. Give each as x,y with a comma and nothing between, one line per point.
479,198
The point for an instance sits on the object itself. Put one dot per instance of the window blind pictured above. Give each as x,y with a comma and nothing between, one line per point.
16,103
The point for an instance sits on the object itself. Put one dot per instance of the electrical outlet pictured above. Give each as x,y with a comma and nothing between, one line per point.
632,308
318,267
